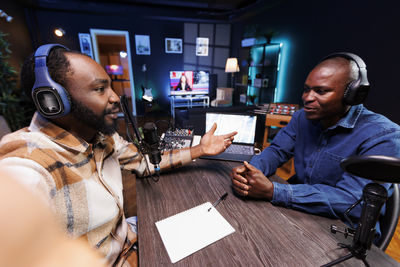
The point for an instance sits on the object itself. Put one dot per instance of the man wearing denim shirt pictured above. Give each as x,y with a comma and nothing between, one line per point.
319,136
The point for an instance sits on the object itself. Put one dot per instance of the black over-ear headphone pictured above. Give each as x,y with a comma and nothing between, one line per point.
51,99
357,90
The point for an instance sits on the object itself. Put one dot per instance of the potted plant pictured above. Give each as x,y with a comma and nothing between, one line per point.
15,105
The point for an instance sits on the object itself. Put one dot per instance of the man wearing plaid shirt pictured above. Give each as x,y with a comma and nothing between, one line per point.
74,162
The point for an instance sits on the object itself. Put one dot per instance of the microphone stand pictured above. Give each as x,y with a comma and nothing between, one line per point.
374,196
141,144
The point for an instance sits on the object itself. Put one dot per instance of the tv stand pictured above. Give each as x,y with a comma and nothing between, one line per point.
188,101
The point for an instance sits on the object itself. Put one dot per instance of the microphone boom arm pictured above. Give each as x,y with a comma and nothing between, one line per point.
129,118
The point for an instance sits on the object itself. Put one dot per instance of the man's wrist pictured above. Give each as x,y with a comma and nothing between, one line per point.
196,151
270,191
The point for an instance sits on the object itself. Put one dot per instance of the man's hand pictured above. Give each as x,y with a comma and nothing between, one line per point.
211,144
247,180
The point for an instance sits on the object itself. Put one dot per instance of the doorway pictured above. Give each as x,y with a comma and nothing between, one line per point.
112,51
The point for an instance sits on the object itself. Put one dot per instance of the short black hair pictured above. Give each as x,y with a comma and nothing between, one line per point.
57,63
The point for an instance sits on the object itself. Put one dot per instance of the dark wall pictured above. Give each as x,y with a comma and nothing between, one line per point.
313,29
142,21
158,63
309,30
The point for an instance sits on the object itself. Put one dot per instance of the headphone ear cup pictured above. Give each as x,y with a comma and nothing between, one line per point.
355,93
51,99
361,95
349,93
51,102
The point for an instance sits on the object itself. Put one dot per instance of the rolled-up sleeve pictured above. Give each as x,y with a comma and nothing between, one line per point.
131,159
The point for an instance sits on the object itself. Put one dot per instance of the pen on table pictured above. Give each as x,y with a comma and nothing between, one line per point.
219,201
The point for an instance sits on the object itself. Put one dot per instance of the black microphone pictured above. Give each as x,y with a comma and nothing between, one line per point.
152,142
374,196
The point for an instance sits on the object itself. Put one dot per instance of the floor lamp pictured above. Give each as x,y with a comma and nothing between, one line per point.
232,66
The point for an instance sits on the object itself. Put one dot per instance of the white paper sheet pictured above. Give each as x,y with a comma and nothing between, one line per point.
192,230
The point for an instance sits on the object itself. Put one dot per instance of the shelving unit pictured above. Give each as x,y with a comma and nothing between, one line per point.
188,101
261,72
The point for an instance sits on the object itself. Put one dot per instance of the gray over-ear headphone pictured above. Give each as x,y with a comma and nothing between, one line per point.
51,99
357,90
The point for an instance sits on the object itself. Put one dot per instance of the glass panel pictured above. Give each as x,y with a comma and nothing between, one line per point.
207,61
190,33
221,54
189,54
207,30
223,34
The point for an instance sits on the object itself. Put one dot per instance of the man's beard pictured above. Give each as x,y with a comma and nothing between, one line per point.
88,117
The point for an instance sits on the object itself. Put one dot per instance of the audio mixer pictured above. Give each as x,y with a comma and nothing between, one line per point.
177,139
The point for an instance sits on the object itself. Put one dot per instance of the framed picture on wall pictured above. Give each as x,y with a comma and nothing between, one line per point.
86,44
173,45
142,44
201,46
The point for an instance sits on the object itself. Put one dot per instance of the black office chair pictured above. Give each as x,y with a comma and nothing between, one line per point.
376,168
389,221
384,169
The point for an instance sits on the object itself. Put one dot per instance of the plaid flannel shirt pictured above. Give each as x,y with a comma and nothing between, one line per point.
81,181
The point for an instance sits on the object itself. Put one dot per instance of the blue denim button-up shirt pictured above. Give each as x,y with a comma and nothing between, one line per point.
320,186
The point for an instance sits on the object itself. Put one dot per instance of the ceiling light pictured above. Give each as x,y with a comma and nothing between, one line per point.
59,32
123,54
4,15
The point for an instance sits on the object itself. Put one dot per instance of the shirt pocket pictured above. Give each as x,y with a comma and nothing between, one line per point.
327,169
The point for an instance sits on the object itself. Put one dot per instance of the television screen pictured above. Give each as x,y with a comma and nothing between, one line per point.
189,82
114,70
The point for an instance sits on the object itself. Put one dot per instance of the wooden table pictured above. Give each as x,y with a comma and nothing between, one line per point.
266,235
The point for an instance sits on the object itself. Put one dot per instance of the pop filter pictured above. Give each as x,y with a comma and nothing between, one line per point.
373,167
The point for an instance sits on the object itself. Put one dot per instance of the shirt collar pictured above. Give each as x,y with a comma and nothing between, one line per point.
350,120
63,137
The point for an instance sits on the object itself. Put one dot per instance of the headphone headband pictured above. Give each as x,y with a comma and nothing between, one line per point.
360,63
44,50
